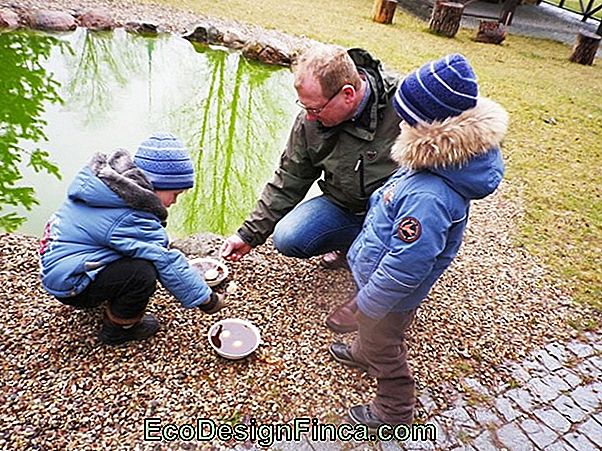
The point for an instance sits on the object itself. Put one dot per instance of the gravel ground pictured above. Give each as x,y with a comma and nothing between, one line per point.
167,18
61,389
121,10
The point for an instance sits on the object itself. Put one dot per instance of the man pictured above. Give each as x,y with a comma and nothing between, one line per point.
343,136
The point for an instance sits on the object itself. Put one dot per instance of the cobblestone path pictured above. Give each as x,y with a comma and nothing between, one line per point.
553,402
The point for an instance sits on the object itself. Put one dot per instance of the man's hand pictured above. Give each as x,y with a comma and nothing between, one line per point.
234,248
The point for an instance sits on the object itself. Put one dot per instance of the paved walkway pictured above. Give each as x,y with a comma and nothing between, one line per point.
553,403
540,21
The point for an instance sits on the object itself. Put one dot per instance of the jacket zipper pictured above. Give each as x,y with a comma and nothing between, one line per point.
359,166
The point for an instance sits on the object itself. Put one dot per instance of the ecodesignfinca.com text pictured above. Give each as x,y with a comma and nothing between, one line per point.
266,434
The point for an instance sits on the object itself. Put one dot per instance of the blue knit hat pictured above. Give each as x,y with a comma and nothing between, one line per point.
165,161
439,89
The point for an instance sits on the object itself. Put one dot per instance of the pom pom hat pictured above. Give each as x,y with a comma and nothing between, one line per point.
165,161
438,90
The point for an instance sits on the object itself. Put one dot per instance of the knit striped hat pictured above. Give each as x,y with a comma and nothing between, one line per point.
439,89
165,161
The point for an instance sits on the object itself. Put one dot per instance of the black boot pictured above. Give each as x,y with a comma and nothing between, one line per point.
364,415
114,334
342,353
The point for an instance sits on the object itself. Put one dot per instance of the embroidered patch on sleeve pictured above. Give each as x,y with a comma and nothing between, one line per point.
409,229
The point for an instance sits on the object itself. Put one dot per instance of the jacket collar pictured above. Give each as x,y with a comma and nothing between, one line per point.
453,141
119,173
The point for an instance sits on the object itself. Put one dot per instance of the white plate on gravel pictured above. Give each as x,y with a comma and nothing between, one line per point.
234,338
212,270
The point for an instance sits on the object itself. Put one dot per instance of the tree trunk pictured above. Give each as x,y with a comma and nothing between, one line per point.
491,32
585,48
383,11
446,18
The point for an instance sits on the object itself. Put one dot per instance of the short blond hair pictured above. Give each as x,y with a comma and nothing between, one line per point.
330,65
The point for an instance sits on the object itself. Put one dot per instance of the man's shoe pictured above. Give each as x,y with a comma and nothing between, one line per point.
342,353
113,334
334,260
342,319
363,415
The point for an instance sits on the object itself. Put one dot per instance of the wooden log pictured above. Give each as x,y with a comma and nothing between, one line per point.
508,10
585,48
491,32
446,18
383,11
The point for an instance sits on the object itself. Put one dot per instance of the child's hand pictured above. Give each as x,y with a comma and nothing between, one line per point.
215,303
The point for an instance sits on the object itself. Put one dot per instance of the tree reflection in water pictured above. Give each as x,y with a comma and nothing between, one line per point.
232,114
238,121
103,64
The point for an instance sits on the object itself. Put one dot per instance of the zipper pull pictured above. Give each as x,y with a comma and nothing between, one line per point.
359,163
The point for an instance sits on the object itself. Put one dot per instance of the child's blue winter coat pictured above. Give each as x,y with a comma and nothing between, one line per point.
112,212
416,221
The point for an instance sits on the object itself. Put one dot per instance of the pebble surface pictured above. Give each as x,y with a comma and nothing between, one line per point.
61,389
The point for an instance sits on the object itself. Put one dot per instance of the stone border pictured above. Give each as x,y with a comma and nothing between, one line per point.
255,46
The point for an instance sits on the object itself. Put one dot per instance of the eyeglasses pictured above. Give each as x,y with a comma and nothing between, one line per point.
316,111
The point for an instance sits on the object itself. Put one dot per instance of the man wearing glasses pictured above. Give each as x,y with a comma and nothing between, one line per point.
342,137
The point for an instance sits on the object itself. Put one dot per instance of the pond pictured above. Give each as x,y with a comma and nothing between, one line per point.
93,92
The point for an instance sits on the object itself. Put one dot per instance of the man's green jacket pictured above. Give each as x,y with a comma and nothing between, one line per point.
352,158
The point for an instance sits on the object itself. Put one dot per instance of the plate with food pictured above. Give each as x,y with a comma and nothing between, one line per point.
212,270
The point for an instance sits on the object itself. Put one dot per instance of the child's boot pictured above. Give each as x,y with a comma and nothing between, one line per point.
115,334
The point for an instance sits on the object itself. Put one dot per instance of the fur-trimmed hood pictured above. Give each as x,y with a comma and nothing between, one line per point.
453,141
114,181
463,149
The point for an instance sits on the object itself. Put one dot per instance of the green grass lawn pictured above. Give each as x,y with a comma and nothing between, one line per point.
554,146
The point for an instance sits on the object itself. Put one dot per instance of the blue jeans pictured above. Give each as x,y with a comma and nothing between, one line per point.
315,227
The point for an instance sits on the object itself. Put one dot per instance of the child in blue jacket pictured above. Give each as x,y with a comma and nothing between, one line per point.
107,242
448,153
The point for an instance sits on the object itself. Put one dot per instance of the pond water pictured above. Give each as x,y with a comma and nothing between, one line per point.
95,92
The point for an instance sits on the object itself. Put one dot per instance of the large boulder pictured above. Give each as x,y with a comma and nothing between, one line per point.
267,53
8,19
205,33
146,28
52,21
96,20
233,39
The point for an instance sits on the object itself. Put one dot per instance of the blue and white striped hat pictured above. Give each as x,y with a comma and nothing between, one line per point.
165,161
439,89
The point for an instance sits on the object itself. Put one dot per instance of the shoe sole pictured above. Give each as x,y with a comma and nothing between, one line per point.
119,341
349,363
354,421
333,265
110,342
